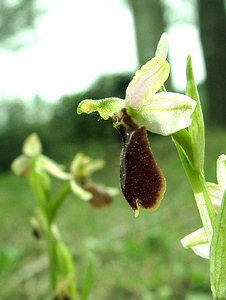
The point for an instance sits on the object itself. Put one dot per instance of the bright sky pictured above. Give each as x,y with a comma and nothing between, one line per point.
75,42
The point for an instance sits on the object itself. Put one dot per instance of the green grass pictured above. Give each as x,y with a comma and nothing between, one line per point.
132,258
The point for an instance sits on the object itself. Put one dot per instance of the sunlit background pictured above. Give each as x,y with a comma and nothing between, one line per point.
55,53
73,44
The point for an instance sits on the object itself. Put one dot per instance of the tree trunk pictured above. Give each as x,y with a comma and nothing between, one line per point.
212,20
149,25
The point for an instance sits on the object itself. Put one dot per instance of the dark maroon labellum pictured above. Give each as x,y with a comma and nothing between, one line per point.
100,197
141,179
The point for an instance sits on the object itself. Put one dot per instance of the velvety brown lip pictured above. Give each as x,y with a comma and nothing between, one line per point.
142,182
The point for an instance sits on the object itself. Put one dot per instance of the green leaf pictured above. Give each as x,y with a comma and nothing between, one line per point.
66,270
196,129
87,282
182,138
218,254
198,185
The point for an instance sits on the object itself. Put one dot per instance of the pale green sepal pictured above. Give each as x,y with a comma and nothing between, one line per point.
218,254
198,242
112,191
32,145
147,81
106,107
221,171
21,165
163,46
165,113
216,191
215,194
83,166
80,192
196,129
53,168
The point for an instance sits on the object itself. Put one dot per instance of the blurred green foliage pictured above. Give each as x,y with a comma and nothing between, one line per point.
58,125
131,258
134,258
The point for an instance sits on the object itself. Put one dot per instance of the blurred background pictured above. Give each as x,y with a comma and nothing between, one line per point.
53,54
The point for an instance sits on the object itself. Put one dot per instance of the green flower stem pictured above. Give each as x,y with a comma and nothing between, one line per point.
35,180
59,198
198,185
49,208
51,246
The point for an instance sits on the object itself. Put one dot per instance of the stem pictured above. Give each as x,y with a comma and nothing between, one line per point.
50,240
58,200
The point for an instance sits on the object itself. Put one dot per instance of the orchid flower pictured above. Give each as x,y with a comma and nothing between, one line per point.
78,178
81,169
144,108
197,240
160,112
32,154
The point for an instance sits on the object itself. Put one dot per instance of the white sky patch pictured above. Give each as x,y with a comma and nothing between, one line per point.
76,42
184,41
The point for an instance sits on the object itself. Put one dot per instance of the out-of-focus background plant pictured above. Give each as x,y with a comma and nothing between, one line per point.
132,259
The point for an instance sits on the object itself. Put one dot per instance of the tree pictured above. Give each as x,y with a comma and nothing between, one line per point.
149,25
15,19
212,18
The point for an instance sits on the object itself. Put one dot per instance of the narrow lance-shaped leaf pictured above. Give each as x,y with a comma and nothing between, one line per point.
142,182
218,254
218,245
196,129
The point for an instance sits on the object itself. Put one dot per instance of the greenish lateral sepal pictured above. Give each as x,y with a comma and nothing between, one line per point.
218,254
198,242
106,107
165,113
196,129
